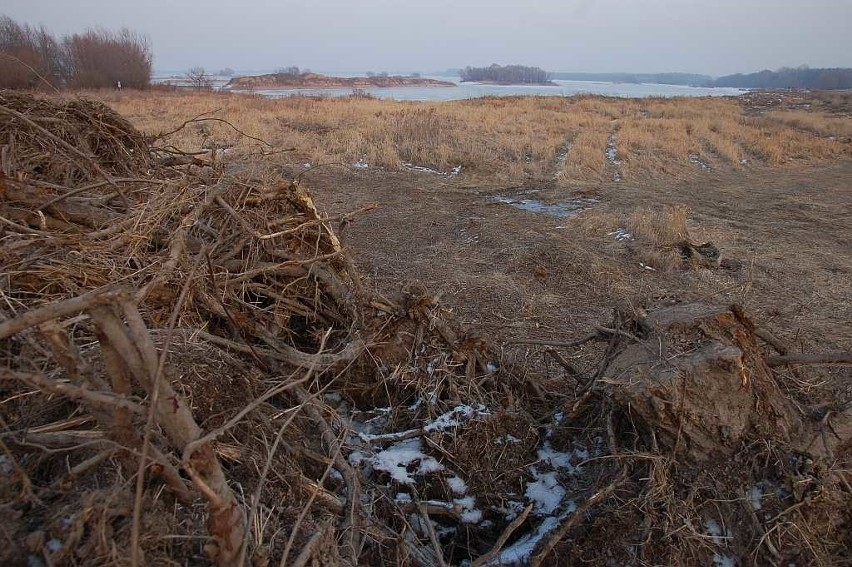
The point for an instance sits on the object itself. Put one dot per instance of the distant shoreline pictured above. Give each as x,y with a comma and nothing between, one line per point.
513,84
317,81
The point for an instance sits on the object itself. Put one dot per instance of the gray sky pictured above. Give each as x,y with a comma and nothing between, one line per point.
715,37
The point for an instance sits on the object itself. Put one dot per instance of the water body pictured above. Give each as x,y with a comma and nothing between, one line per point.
475,90
561,210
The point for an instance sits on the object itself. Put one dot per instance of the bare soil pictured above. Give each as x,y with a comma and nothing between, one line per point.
518,274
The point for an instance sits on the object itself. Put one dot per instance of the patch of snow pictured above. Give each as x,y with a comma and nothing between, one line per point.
557,459
403,460
756,497
455,417
611,151
519,552
559,417
53,545
720,560
471,516
306,165
361,163
469,513
621,234
545,492
5,465
423,169
720,536
696,159
457,485
513,509
491,368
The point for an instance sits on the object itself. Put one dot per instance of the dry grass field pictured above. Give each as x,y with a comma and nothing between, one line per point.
502,139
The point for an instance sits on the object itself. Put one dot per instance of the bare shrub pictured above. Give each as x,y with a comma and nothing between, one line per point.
100,58
199,78
29,57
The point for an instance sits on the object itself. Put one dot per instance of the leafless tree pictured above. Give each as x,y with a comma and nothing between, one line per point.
199,78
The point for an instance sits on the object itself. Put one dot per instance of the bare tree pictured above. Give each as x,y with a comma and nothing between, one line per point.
291,70
199,78
29,57
101,58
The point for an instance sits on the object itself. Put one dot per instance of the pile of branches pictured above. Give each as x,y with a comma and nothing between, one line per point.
178,328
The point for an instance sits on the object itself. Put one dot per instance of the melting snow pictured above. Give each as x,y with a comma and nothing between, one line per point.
513,509
469,514
719,535
454,417
611,151
621,235
723,561
403,460
361,163
696,159
520,551
756,495
423,169
546,492
457,485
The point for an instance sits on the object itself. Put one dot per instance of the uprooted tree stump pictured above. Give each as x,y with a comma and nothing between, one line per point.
697,383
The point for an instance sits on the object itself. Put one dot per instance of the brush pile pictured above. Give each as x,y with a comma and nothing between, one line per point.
192,371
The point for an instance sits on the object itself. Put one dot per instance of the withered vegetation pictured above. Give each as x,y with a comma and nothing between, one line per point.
192,370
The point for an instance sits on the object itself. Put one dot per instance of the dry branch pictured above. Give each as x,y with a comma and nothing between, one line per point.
810,359
56,310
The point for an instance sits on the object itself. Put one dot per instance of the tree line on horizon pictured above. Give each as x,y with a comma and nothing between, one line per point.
33,58
790,78
514,74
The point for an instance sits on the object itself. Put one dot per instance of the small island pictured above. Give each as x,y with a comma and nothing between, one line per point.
308,80
507,75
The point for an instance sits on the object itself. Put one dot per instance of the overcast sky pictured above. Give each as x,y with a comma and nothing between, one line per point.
714,37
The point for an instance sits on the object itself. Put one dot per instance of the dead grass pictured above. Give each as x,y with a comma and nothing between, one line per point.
499,138
820,123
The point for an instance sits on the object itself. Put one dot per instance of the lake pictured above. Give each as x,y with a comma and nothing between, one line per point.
475,90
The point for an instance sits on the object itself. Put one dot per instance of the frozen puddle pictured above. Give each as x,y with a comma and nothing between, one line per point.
562,210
